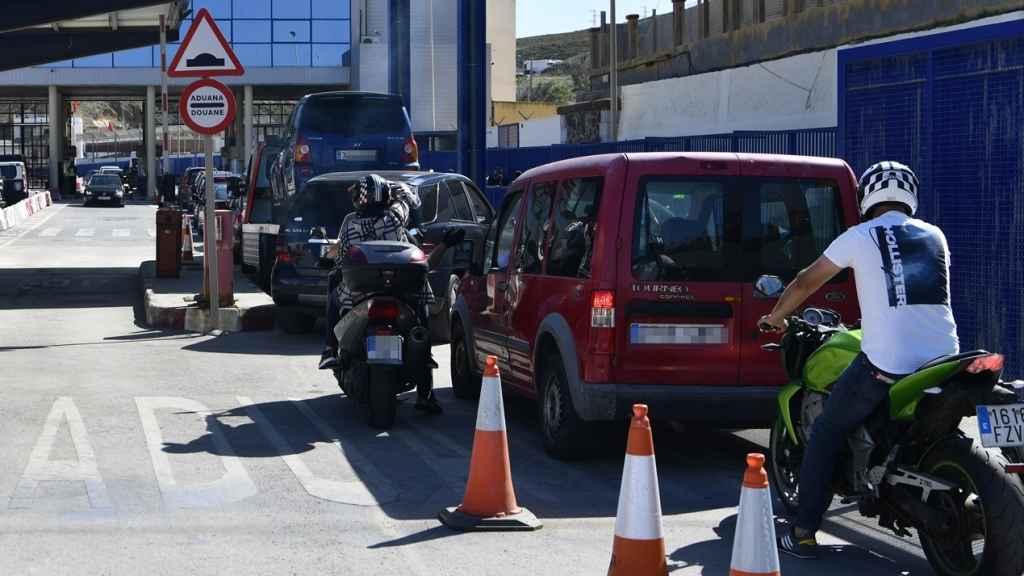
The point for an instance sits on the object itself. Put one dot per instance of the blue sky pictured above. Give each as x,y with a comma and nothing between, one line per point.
536,17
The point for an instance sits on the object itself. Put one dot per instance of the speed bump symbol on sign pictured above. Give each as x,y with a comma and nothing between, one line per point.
207,106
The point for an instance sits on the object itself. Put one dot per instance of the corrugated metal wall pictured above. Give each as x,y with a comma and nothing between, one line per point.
952,106
434,65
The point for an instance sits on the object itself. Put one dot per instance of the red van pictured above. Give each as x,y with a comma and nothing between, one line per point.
623,278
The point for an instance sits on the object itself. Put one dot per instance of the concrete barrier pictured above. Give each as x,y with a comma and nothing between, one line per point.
11,216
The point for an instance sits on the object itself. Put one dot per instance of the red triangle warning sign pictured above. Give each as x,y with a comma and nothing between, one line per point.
204,52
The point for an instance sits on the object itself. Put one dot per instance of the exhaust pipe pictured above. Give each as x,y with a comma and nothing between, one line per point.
417,351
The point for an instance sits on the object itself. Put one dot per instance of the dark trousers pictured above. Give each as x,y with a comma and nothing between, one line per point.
857,393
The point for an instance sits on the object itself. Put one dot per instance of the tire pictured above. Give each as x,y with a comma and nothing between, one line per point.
465,383
381,396
565,434
1000,497
445,314
784,466
294,322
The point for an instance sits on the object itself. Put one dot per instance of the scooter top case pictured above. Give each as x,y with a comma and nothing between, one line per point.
384,267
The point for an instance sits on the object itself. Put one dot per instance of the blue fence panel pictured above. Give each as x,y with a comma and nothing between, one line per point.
952,106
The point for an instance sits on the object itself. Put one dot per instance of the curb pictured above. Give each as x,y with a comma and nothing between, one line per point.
192,318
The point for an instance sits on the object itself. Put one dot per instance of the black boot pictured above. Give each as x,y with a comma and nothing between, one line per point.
329,359
428,403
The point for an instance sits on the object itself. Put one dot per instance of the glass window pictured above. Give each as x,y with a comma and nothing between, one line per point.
251,9
322,204
353,114
219,9
538,212
332,31
329,55
251,31
798,219
98,61
679,231
291,9
428,206
253,55
498,253
135,58
575,227
460,203
291,30
291,55
331,9
481,209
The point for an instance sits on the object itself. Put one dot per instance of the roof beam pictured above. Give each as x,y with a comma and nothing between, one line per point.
20,14
43,46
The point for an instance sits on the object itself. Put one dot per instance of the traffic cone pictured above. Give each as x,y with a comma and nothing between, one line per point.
490,500
186,244
639,548
753,548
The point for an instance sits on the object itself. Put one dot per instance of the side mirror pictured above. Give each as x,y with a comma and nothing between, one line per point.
768,287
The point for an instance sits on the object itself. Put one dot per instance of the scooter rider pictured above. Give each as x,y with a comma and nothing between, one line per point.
382,212
901,266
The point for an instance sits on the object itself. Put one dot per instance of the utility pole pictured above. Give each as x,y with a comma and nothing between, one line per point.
164,160
613,77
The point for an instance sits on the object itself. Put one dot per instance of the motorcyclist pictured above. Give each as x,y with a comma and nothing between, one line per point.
901,266
383,210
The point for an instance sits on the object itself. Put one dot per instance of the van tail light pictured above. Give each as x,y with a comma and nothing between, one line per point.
382,310
410,151
602,309
990,363
282,254
302,151
597,364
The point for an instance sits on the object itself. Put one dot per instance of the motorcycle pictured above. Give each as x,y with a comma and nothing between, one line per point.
910,465
383,344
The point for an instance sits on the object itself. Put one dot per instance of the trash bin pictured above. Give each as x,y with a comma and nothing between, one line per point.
168,243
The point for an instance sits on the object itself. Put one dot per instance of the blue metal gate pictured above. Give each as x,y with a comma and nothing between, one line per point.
951,105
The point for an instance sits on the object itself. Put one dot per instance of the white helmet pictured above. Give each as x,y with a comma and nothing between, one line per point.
888,182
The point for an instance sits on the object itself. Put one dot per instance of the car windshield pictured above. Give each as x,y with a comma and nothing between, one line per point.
354,116
105,180
9,171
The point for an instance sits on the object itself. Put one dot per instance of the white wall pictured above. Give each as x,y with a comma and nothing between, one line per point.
540,132
786,94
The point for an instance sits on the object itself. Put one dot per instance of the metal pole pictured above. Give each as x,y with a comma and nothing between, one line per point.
165,161
210,240
613,77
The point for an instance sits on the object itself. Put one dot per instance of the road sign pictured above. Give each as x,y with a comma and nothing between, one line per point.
207,106
204,52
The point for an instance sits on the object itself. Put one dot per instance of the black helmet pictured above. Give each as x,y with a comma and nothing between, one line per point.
371,191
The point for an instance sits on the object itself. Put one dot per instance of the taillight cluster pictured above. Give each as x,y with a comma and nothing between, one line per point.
410,151
283,255
382,310
302,151
597,364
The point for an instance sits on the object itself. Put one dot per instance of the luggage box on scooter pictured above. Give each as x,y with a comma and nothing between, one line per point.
387,267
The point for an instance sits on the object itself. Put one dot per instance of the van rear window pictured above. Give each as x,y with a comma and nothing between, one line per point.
679,231
354,116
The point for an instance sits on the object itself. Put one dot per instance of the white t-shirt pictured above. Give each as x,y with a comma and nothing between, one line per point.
901,266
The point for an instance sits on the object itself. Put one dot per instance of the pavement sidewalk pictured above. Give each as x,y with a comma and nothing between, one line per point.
170,302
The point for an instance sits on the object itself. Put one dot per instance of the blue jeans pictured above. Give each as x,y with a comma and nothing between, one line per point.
857,393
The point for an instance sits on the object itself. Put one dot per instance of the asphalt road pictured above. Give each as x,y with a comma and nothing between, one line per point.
130,451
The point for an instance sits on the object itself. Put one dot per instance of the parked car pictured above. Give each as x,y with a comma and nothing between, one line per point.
344,132
185,185
227,188
104,187
625,278
257,216
299,285
15,181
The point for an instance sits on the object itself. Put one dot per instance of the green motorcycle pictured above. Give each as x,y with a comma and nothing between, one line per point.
909,464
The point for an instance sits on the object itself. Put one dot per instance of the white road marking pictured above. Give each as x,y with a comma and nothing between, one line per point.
41,469
352,492
120,233
49,232
53,213
85,232
233,486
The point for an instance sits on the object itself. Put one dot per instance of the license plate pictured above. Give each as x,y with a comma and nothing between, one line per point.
103,197
1001,426
355,155
383,349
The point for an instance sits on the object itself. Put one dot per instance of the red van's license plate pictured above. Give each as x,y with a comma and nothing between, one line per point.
1001,426
383,349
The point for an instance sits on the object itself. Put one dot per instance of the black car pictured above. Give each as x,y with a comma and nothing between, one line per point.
104,188
312,222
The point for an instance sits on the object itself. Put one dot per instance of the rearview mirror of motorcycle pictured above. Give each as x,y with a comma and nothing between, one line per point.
768,286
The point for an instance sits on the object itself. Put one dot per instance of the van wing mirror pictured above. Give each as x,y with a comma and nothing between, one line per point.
768,287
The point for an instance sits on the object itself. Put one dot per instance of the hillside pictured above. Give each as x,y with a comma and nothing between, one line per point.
553,46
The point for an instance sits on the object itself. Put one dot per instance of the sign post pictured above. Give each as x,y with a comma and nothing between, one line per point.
207,107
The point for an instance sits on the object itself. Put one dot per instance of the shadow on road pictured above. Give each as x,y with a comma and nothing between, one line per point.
60,288
267,342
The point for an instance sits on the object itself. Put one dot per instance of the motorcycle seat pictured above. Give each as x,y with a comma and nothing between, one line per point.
954,358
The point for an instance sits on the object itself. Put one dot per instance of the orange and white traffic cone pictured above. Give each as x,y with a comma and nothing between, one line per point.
490,500
639,548
754,551
186,243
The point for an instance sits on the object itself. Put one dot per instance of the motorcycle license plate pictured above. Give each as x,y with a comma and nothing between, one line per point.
381,349
1001,426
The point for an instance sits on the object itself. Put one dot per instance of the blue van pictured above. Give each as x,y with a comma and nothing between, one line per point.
343,132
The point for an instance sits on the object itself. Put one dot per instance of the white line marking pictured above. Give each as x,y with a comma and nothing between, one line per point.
85,232
352,492
41,469
120,233
37,225
49,232
233,486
